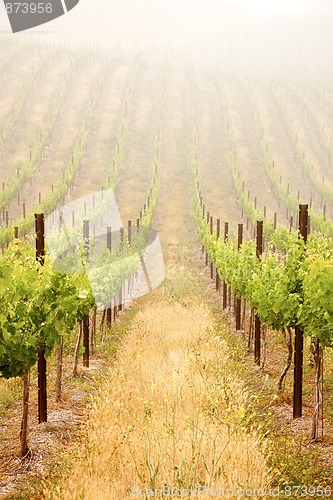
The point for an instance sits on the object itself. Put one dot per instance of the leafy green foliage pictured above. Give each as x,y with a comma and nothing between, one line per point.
287,288
316,314
38,305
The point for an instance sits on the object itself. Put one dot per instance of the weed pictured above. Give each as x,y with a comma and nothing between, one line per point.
10,392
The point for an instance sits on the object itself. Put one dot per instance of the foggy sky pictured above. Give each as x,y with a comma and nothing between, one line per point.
284,33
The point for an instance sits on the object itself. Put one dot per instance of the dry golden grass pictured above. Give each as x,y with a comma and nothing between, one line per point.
171,411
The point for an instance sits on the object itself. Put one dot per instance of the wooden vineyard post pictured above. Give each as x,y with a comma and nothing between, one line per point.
257,324
298,351
24,424
218,234
85,319
109,247
238,299
129,239
59,370
109,314
212,263
120,296
206,253
42,393
225,288
136,275
291,223
203,216
129,232
274,226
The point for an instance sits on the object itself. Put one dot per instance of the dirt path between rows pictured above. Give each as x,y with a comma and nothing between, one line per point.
161,421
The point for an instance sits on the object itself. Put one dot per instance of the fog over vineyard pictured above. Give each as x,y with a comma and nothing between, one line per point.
278,33
166,250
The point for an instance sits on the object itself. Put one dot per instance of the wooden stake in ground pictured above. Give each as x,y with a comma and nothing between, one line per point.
288,340
77,348
318,356
212,263
206,253
101,326
238,299
93,331
24,424
257,323
298,353
243,315
109,247
85,319
225,288
42,395
59,371
120,294
218,234
250,339
85,328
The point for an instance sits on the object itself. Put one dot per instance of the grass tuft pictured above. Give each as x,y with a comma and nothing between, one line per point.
172,411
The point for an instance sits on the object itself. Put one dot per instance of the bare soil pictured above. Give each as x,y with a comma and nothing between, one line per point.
47,440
